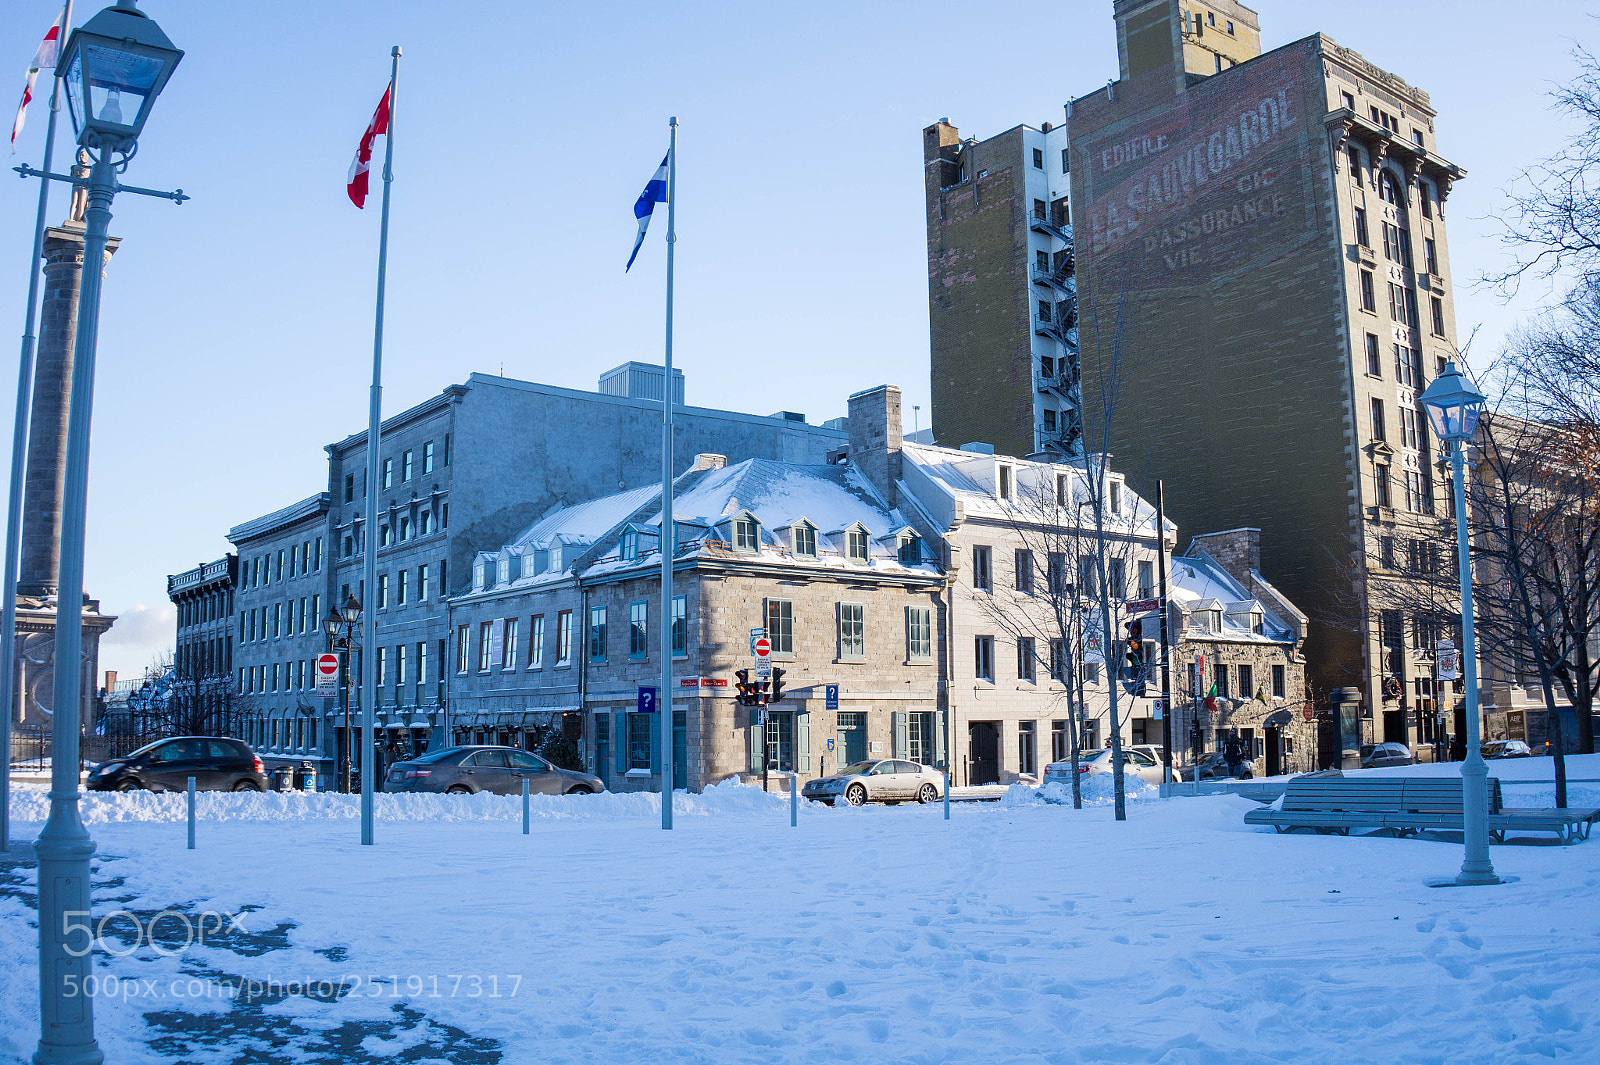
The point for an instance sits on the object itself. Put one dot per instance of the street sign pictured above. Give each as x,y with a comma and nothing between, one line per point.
1157,709
831,695
761,647
647,700
1309,713
763,667
327,675
756,634
702,682
1141,606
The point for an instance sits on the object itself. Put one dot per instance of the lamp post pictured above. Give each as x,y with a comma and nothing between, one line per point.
1453,409
340,625
116,65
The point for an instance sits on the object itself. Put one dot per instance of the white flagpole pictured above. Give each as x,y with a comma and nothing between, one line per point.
668,530
369,673
19,450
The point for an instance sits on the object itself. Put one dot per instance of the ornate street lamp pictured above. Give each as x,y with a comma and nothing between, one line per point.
1453,409
116,65
340,625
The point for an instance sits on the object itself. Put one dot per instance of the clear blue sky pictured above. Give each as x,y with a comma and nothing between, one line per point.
236,330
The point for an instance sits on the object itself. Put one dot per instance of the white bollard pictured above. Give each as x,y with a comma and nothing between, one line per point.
191,813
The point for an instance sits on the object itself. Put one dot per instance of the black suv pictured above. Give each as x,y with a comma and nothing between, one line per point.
217,764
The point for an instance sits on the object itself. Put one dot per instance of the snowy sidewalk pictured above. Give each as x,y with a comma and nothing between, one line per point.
1018,931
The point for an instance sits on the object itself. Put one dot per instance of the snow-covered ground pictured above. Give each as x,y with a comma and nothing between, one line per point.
1019,931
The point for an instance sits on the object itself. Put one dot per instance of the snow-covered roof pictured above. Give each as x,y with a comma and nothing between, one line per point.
588,521
1198,583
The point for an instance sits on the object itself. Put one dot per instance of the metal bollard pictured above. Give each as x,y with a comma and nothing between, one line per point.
794,800
191,813
524,806
947,794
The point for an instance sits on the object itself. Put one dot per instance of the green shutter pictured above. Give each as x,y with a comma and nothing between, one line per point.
902,734
757,740
619,742
802,742
941,758
655,738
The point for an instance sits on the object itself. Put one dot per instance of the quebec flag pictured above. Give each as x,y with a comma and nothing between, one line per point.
654,192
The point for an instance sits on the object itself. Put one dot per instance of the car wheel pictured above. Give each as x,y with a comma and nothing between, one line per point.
458,789
128,785
247,785
579,790
927,793
855,795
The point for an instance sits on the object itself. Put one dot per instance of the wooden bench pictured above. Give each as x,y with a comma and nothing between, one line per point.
1407,806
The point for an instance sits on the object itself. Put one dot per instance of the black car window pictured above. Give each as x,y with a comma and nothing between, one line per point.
222,751
524,760
907,767
1138,758
882,768
487,760
448,756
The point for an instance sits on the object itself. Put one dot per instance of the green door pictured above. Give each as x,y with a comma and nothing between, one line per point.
680,750
602,748
850,738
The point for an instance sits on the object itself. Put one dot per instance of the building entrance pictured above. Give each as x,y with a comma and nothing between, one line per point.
850,738
983,752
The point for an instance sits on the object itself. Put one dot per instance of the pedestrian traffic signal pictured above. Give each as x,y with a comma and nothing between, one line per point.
777,685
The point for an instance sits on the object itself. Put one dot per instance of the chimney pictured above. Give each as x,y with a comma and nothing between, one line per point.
1237,550
707,461
875,433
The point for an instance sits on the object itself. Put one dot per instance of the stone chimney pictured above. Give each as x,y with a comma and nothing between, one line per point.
708,461
875,435
1237,550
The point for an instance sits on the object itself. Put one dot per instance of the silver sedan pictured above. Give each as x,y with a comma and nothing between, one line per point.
884,780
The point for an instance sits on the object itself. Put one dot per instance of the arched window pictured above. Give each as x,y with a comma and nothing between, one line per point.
1389,188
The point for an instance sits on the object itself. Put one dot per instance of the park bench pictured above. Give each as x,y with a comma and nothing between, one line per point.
1407,806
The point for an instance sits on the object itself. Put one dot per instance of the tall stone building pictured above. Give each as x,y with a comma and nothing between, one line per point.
1263,270
1262,291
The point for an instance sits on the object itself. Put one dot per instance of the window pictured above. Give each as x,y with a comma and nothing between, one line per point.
1430,255
1414,492
1408,366
1027,734
982,578
385,537
536,642
780,625
628,550
1378,430
405,528
597,634
461,649
1374,362
1066,164
405,465
1389,190
856,545
401,588
1438,316
983,658
1220,674
1380,479
563,636
744,535
485,640
1049,420
1063,495
427,457
640,740
1044,310
638,630
1024,571
277,620
349,487
1115,491
1362,238
1425,197
1230,33
1038,209
680,625
1025,659
445,459
1005,482
1280,685
1397,302
1087,584
316,558
444,522
349,546
1117,578
1058,660
383,590
1041,261
1416,137
1408,428
399,664
1211,19
1347,101
1354,154
1038,159
422,582
388,473
852,631
1147,579
910,553
382,667
919,633
1369,299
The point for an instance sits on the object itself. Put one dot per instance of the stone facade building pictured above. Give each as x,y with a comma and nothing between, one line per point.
204,689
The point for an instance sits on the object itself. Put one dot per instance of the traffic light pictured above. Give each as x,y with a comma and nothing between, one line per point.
777,685
761,693
745,696
1133,671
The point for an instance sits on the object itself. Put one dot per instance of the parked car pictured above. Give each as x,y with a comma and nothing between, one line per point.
1506,749
500,770
1214,766
1377,755
1134,761
216,763
888,780
1152,751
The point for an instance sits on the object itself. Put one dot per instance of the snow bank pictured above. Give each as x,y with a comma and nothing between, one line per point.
30,803
1096,789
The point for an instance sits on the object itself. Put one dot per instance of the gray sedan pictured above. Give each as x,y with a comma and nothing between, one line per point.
888,780
500,770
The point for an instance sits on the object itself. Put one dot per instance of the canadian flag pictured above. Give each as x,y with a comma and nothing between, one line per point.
44,58
378,127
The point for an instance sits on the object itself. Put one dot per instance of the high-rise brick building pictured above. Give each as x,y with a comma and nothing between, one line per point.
1263,291
1002,301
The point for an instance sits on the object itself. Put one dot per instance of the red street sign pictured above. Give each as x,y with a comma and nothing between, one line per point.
1141,606
763,647
328,665
1309,713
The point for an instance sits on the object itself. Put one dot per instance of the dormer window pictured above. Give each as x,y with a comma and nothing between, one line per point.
745,535
855,544
1115,491
1005,482
804,538
630,545
553,559
910,550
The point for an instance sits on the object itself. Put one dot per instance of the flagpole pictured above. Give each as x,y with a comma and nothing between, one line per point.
369,673
19,448
668,530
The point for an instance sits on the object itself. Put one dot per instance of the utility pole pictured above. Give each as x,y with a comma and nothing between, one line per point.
1166,652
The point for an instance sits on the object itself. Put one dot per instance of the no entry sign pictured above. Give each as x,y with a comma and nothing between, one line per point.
328,675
